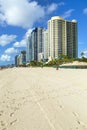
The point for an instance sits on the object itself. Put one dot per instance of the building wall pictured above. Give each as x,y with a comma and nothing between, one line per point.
45,44
16,61
23,57
55,37
37,43
62,38
28,50
71,35
19,60
40,39
34,45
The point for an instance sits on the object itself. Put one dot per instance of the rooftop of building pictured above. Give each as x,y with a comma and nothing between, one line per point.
57,17
60,18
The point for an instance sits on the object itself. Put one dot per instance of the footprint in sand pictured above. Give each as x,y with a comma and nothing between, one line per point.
60,106
75,114
4,129
7,106
13,122
2,123
15,108
82,124
1,112
3,102
11,114
78,122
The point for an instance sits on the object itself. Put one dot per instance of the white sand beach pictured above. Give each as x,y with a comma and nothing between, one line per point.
43,99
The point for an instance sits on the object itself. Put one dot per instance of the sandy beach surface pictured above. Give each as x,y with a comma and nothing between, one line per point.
43,99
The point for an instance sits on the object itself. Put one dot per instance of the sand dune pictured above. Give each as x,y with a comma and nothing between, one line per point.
43,99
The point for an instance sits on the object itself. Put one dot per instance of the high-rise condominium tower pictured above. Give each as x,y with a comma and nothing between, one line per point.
16,60
31,47
62,38
23,57
45,44
28,49
35,45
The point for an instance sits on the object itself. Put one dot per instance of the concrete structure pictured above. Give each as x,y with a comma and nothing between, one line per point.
29,50
16,60
72,39
36,43
23,57
40,39
45,44
62,38
20,59
40,57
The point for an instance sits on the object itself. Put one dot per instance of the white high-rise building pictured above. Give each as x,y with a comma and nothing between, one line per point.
45,44
62,38
34,48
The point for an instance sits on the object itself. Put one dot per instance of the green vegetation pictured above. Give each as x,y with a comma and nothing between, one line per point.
59,61
56,62
35,64
83,59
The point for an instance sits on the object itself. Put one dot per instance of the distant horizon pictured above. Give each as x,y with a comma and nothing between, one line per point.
16,23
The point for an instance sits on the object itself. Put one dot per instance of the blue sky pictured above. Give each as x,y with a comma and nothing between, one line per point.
19,17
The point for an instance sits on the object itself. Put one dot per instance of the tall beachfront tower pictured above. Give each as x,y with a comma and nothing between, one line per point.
62,38
45,44
35,44
72,38
34,47
16,60
28,49
23,57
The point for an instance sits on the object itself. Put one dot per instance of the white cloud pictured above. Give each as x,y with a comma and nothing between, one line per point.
23,13
85,51
5,57
6,39
53,7
67,13
28,32
61,3
22,43
85,11
1,19
11,50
